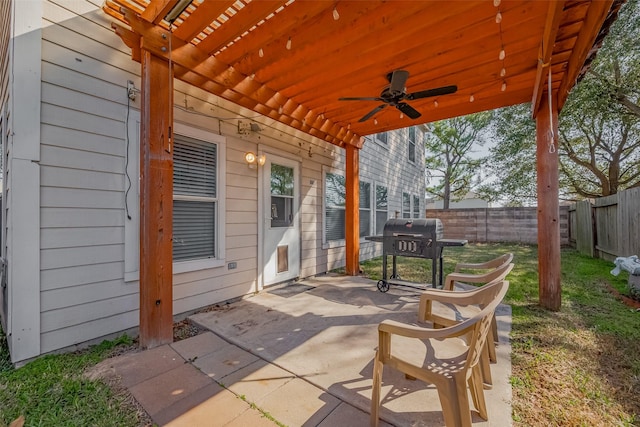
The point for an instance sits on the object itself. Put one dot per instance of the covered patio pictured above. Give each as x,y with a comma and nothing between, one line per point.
292,61
302,353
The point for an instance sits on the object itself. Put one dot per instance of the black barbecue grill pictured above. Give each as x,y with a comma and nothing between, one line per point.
416,238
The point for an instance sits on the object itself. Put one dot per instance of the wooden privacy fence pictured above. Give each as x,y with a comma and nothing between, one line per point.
508,225
607,228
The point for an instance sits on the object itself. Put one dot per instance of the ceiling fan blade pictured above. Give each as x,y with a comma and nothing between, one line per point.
408,110
398,81
444,90
360,99
372,112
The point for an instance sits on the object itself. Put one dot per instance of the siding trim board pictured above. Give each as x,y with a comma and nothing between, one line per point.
22,189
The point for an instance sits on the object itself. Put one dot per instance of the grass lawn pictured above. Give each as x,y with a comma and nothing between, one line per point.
576,367
52,390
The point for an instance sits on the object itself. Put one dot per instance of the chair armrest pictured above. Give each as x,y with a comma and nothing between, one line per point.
393,327
445,297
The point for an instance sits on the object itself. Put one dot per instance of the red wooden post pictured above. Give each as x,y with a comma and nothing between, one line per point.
352,211
156,202
548,206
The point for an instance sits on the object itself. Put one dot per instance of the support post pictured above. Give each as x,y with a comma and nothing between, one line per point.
352,211
548,206
156,202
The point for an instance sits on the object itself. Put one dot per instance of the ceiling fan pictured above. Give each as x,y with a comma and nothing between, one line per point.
395,93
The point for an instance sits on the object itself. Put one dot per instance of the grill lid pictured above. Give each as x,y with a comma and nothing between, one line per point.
421,228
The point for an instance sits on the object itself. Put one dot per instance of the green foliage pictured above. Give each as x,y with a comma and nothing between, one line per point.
448,147
599,126
513,158
52,391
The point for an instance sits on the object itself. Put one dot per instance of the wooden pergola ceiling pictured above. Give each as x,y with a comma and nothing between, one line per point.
292,60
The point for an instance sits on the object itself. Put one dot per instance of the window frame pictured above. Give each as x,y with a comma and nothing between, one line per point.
369,210
409,211
329,244
415,208
132,224
380,141
376,211
219,232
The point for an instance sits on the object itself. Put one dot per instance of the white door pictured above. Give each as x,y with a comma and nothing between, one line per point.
281,202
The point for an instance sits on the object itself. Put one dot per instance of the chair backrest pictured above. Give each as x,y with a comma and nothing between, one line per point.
491,276
500,261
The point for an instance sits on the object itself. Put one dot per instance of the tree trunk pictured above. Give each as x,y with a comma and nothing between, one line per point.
447,193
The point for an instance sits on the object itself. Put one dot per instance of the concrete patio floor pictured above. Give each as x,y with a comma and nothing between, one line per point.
303,354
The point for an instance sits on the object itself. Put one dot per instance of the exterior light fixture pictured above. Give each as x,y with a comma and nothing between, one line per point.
177,10
254,160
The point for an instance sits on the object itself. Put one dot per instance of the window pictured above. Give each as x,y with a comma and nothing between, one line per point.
335,193
406,205
416,207
382,138
382,208
198,200
281,196
365,209
195,199
412,144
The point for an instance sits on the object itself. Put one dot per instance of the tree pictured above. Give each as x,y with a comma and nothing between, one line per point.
448,148
512,161
599,126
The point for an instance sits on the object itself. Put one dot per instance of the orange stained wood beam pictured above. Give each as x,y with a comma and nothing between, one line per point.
156,202
548,206
596,15
352,211
546,49
228,83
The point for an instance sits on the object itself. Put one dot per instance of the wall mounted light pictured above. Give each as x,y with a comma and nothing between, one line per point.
177,10
254,160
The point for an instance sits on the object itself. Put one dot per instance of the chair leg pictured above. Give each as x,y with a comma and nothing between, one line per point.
455,402
494,329
375,391
477,393
485,368
491,347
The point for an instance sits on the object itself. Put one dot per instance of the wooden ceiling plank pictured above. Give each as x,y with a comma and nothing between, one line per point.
596,16
319,31
367,52
203,16
384,26
547,43
444,69
296,15
242,21
157,10
189,56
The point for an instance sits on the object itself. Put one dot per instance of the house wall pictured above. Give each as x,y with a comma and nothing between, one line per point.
5,37
87,245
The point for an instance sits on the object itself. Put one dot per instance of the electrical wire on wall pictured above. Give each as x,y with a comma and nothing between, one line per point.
126,158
